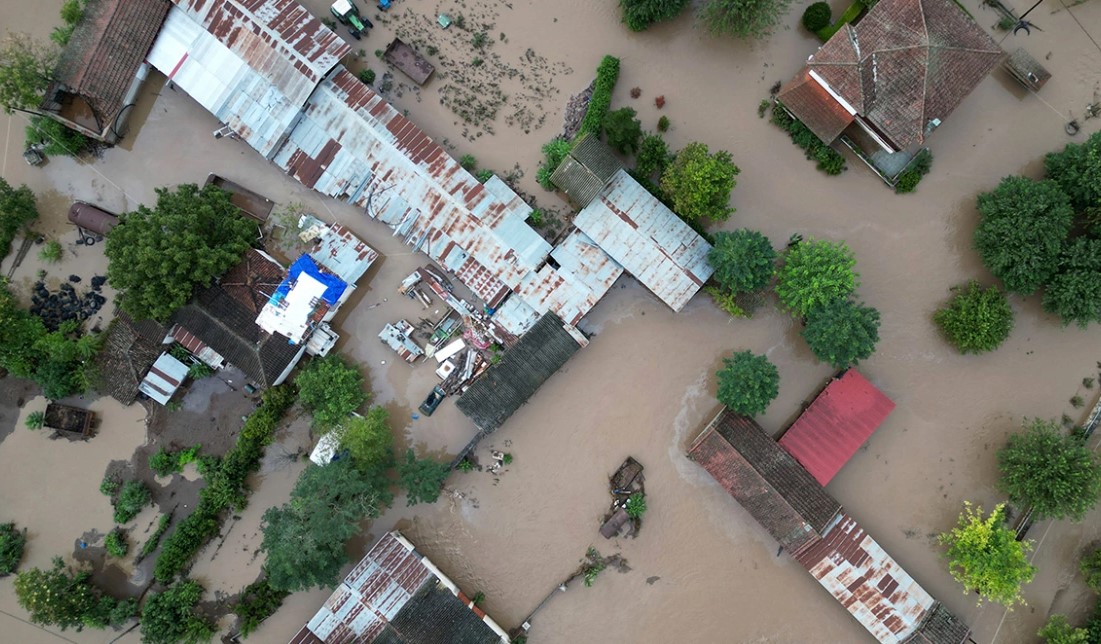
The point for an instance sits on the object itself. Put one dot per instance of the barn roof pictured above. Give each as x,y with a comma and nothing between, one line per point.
841,419
585,171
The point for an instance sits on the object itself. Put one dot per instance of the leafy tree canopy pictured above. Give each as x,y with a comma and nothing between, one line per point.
748,383
1091,570
976,319
11,548
653,156
623,130
742,18
640,14
421,478
985,556
26,69
842,332
158,256
17,209
367,438
169,617
699,183
331,389
1077,170
1074,292
1022,227
743,260
58,139
815,272
1057,631
66,599
1054,473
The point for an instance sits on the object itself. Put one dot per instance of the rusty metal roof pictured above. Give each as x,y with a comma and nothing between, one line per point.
342,253
867,581
776,490
253,64
841,419
394,594
648,240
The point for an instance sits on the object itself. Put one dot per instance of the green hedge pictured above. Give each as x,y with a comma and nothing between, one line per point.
225,485
852,13
606,76
828,160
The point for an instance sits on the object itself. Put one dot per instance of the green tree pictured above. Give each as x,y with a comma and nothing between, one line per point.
743,260
304,539
1074,292
747,383
66,599
1091,570
158,256
331,389
258,602
976,319
367,438
842,332
815,272
817,16
59,140
133,497
623,130
1054,473
11,547
640,14
169,617
653,156
554,153
26,70
1077,170
985,556
699,183
1022,227
742,18
421,478
17,210
1057,631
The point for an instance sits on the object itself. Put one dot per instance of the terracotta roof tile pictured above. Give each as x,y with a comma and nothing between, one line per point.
814,106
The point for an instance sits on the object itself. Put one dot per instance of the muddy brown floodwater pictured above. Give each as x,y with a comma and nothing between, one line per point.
701,569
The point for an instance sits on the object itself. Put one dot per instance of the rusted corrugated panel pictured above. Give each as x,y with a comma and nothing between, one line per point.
841,419
867,581
648,240
345,255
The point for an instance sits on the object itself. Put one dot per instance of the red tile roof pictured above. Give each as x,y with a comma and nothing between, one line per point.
904,64
813,105
837,423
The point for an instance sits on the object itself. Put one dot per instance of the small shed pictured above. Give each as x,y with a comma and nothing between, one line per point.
408,61
399,337
251,204
93,219
585,171
164,379
68,421
1026,69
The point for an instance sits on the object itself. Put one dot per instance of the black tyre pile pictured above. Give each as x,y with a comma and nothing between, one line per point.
66,304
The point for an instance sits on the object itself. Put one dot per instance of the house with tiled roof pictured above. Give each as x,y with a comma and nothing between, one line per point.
887,82
103,66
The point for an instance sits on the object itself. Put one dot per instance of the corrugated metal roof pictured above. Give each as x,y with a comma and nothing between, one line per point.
589,167
164,378
867,581
344,254
841,419
648,240
767,482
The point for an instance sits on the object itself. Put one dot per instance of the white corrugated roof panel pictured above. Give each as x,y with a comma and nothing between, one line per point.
164,378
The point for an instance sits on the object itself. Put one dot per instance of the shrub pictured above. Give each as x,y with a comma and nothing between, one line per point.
554,152
133,497
110,484
116,543
653,156
35,420
163,462
663,124
169,617
607,73
623,130
66,599
536,217
155,539
12,542
258,602
817,16
827,159
1056,630
51,252
909,178
748,383
976,319
636,505
468,162
58,139
742,18
367,76
199,370
483,175
640,14
1091,570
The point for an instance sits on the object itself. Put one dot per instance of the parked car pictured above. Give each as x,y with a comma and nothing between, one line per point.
433,401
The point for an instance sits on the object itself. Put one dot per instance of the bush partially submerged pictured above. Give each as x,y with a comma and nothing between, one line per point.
11,548
828,160
606,76
909,178
976,319
817,16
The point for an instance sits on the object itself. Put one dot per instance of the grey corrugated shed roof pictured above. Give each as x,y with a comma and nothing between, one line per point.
589,167
941,627
523,369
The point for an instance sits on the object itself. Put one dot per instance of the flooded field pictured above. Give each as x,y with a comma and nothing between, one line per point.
701,569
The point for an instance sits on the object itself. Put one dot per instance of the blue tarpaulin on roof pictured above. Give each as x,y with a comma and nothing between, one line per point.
334,286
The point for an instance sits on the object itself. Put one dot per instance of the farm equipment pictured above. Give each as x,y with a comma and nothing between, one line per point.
346,12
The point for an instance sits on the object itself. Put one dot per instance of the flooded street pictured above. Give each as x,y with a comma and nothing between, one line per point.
701,569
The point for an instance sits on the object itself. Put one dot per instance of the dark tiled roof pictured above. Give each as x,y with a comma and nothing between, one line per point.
589,167
941,627
434,616
252,281
523,369
814,106
225,325
906,63
129,349
107,48
766,480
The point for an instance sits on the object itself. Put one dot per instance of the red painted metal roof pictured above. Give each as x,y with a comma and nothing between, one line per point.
837,423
